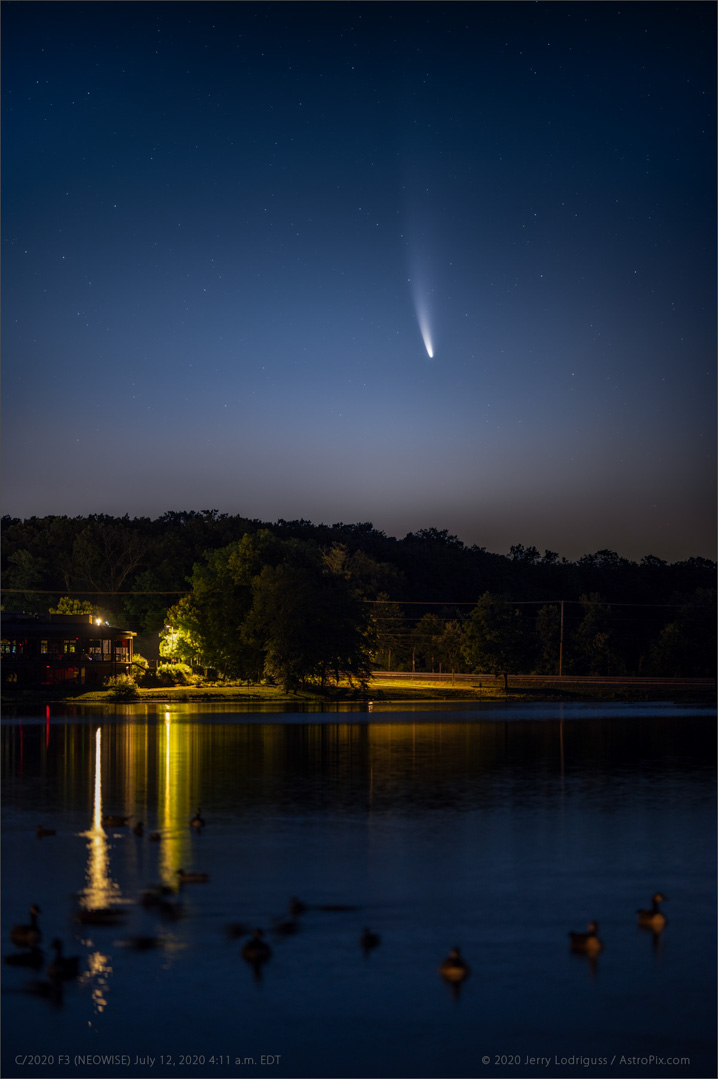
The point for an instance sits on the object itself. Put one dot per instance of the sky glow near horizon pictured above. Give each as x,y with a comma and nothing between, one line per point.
210,212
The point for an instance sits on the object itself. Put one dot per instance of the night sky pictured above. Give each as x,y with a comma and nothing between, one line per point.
230,228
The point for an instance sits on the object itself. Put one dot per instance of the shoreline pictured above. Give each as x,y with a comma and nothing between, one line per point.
384,691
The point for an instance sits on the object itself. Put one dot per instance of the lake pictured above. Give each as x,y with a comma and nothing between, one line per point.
497,829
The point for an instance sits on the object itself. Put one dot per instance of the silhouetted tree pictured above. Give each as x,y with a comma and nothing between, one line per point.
496,639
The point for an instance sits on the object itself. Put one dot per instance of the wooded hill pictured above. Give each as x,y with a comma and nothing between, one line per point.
648,614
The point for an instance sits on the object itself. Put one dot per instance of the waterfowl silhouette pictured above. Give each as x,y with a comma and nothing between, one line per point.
138,829
63,967
27,936
42,832
235,930
144,943
587,943
34,957
296,906
155,837
100,916
197,820
454,968
286,927
114,822
256,950
153,895
157,899
369,940
192,878
50,989
654,918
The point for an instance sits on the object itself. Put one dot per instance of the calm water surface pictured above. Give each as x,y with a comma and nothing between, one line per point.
497,829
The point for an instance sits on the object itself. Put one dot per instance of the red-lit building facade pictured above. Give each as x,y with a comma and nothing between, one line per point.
62,649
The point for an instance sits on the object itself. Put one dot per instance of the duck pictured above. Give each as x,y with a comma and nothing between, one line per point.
296,906
369,940
192,878
27,936
111,821
654,918
197,820
454,968
42,832
34,958
63,967
138,829
587,943
256,950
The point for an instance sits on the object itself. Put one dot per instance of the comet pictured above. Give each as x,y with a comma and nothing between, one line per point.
422,315
426,333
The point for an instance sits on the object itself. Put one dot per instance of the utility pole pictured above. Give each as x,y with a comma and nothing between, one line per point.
560,645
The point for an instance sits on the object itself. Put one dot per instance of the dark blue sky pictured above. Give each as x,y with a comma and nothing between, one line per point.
223,223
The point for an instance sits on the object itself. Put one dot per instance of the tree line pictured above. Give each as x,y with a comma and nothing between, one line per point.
294,601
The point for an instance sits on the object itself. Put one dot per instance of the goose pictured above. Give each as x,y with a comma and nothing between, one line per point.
42,832
192,878
654,918
34,958
144,943
114,822
155,837
63,967
27,936
286,927
237,929
138,829
454,968
587,943
256,950
100,916
369,940
50,989
155,895
296,906
197,820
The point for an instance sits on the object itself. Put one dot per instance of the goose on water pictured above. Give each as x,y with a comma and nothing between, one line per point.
197,820
34,957
192,878
654,918
454,968
100,916
587,943
256,950
369,940
63,967
27,936
42,832
111,821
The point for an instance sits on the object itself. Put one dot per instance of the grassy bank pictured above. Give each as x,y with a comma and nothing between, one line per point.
386,691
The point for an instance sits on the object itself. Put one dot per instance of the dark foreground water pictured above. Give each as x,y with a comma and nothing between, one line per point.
495,829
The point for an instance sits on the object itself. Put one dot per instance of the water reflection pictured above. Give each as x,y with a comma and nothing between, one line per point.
100,890
500,836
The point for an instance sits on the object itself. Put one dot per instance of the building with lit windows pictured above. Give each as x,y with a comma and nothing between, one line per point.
62,649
